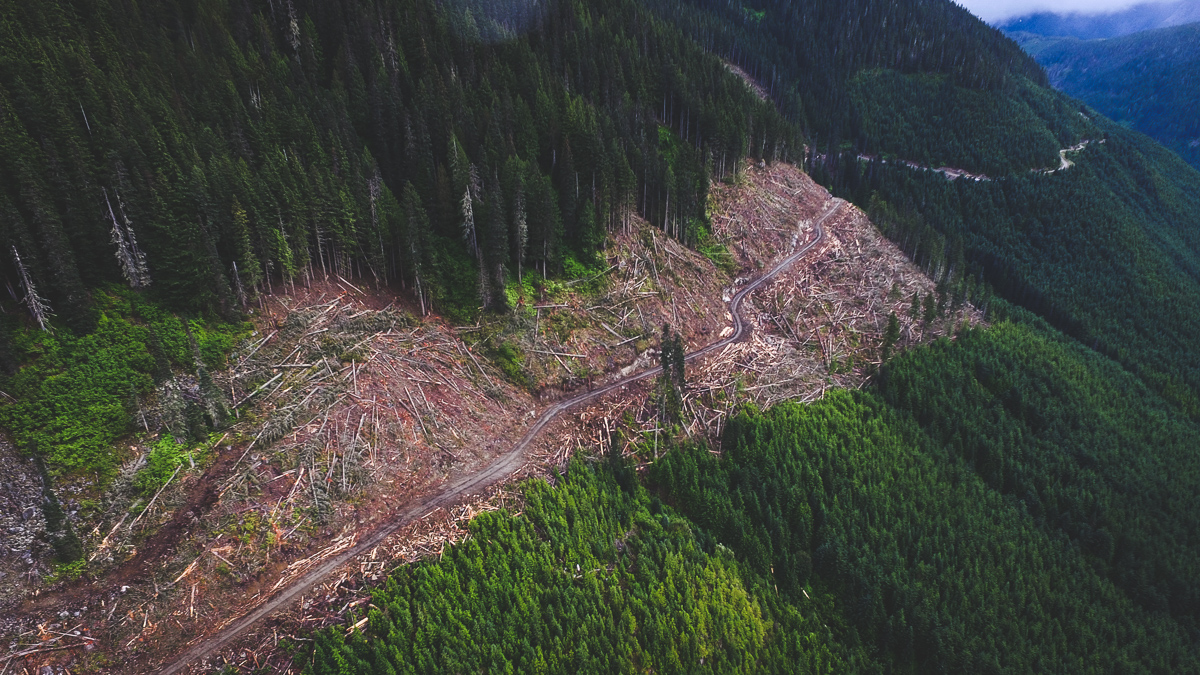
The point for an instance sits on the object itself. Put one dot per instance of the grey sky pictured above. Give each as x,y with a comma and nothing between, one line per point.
998,10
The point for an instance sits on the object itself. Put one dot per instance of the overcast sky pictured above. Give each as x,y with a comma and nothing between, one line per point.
998,10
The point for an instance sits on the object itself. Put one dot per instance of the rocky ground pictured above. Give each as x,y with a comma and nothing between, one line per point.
24,554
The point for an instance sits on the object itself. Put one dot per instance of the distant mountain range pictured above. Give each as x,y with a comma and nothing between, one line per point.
1088,26
1147,81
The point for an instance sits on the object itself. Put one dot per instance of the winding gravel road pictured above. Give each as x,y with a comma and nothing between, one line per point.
502,467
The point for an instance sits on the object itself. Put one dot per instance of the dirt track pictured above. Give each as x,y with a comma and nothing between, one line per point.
502,467
952,173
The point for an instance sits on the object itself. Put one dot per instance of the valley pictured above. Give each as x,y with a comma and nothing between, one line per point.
1139,80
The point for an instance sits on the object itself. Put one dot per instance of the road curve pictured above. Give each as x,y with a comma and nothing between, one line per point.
502,467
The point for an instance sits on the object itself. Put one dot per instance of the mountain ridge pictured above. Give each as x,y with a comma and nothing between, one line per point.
1140,80
1100,24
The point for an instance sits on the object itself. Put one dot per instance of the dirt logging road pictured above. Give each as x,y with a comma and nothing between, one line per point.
501,468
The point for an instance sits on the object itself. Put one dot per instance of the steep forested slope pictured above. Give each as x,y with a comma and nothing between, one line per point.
1146,81
805,53
1016,500
1107,250
398,141
201,153
1036,493
1086,448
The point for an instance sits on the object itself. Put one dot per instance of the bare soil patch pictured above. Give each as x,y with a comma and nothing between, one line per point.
358,411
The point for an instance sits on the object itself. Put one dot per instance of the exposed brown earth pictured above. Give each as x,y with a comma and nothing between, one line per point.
822,322
405,409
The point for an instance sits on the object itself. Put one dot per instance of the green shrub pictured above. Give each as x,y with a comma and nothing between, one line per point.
165,456
718,253
510,360
67,571
75,396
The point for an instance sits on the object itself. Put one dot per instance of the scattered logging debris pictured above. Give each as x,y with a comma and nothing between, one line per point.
345,407
45,640
343,394
342,407
818,325
602,326
345,597
344,411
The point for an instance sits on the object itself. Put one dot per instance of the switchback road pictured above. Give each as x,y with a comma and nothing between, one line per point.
502,467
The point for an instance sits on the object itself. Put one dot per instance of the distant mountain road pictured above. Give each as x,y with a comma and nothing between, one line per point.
502,467
952,173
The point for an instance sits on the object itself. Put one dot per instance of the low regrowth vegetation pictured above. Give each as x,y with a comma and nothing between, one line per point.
74,396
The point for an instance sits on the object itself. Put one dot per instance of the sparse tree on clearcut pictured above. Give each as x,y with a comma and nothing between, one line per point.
890,336
672,379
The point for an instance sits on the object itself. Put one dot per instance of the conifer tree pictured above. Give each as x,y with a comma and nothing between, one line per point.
131,258
248,273
496,258
416,225
520,226
67,547
890,335
374,194
38,307
672,379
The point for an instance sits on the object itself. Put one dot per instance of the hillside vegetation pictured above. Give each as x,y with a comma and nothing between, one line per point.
596,576
402,142
1009,499
1145,81
952,520
1106,251
205,154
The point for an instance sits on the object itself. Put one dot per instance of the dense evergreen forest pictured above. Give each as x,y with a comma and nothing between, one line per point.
1017,499
186,156
215,149
1106,251
1035,487
807,54
597,576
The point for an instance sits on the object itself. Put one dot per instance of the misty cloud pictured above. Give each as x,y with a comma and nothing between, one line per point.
993,11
